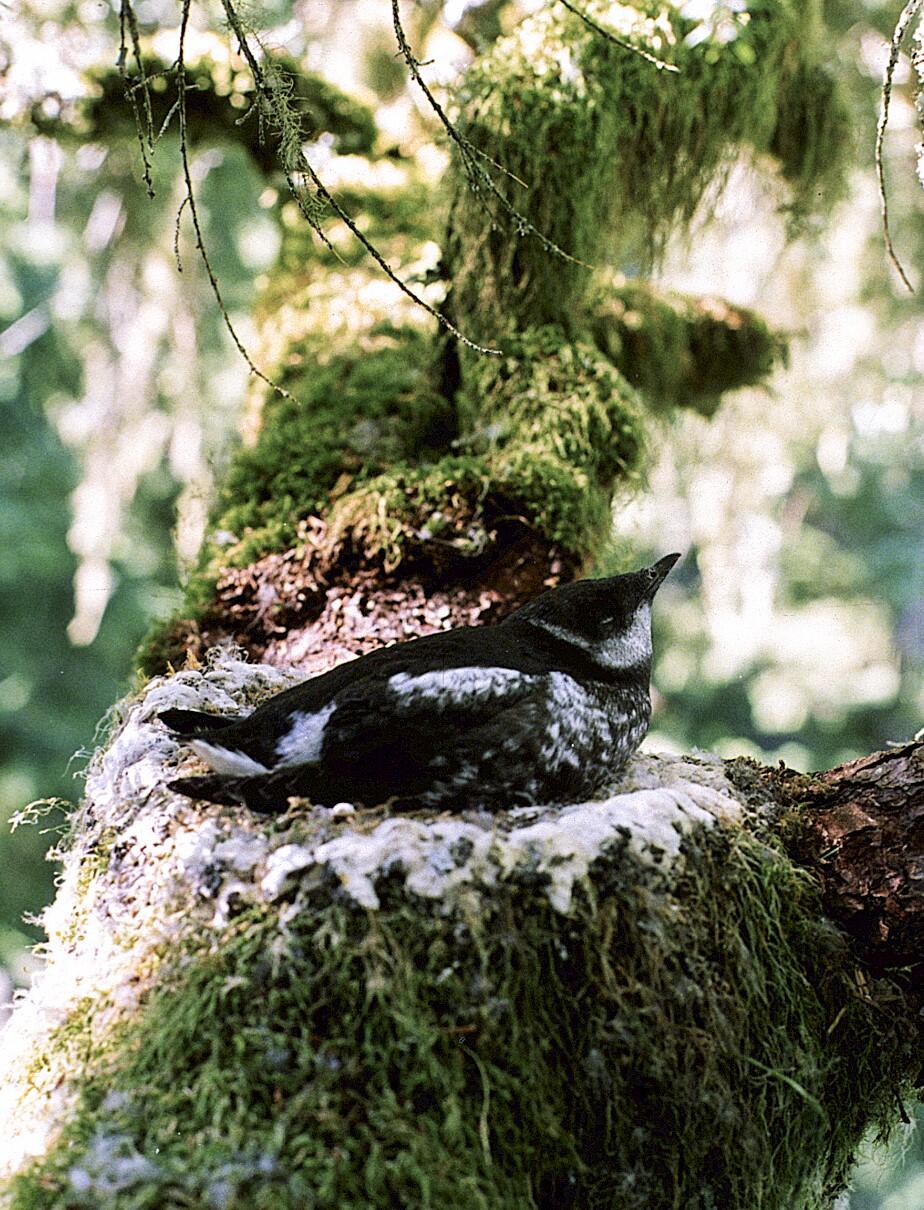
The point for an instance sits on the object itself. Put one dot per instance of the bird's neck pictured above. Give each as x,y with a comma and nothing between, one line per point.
626,655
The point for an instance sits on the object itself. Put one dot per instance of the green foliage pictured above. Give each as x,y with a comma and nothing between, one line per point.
51,693
511,1057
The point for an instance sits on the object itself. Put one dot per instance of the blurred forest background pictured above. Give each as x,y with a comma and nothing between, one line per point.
795,630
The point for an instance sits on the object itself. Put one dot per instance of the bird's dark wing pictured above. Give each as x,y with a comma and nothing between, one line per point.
367,678
400,736
481,646
444,755
266,793
192,722
429,734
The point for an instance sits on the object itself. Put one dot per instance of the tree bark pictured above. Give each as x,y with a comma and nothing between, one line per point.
863,834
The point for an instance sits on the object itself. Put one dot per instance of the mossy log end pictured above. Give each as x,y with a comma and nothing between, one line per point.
637,1002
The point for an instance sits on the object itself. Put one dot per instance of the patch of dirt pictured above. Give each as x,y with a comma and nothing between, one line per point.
290,609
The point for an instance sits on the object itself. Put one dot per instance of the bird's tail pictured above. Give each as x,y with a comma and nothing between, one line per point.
189,722
266,793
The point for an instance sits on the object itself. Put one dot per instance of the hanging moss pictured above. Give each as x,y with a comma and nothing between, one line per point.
615,153
684,352
812,138
417,451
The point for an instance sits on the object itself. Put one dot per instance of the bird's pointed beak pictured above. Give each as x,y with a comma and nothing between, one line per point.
658,571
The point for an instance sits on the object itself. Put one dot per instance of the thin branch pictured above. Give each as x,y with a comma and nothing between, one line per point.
265,89
466,146
907,15
605,33
194,213
128,20
176,233
470,153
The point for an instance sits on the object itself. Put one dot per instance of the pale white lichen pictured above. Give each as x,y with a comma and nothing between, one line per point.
148,868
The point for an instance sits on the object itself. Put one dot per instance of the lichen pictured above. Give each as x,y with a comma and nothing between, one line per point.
220,92
631,1002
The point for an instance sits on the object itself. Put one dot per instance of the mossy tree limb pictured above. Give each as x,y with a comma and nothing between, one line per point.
634,1002
528,448
615,154
864,835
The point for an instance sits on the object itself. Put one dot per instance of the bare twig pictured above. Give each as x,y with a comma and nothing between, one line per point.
265,89
190,201
907,15
470,154
144,129
605,33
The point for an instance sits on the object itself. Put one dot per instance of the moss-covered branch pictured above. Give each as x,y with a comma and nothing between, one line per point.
684,352
418,457
220,108
634,1002
615,154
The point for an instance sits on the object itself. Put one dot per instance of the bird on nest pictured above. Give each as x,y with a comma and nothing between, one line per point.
543,707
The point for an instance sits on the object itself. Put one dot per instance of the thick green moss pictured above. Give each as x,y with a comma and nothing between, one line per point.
218,96
697,1044
681,351
346,420
546,429
615,153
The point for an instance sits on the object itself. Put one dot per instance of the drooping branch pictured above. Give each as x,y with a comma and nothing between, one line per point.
909,12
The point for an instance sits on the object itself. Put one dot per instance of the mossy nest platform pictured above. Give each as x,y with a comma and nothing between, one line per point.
633,1002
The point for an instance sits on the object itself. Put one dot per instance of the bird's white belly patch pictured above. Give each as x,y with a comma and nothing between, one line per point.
302,744
457,685
226,760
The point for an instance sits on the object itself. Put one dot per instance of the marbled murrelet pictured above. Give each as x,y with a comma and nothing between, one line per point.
543,707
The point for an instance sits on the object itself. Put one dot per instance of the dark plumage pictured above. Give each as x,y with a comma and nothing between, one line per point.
543,707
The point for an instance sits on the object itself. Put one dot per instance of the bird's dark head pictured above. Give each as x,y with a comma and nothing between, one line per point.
609,618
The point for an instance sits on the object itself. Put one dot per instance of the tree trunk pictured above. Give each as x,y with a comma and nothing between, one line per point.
409,468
